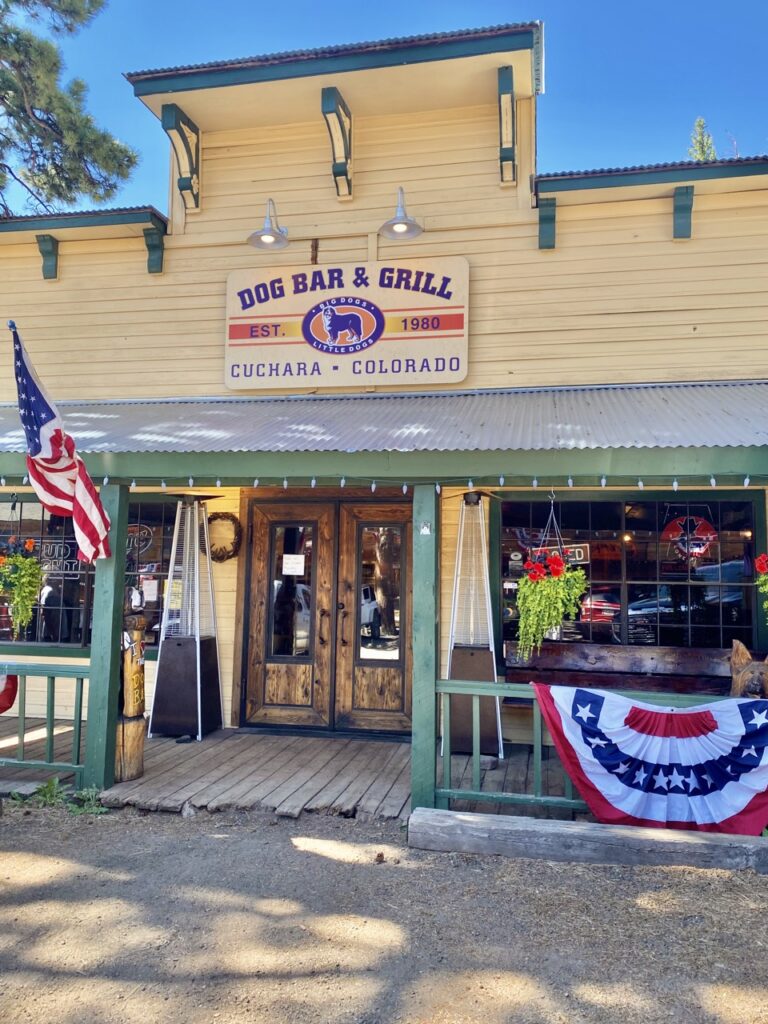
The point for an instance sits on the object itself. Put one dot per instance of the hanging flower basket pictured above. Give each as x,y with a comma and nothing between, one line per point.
20,579
761,568
546,595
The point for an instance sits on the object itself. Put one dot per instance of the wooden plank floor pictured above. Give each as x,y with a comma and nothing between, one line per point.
370,779
34,750
284,774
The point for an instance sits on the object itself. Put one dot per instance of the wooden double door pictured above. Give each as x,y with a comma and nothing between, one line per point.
328,641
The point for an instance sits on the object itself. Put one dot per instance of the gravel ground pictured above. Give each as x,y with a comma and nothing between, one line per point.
233,918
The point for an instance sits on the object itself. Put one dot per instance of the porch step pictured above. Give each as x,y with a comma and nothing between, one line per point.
582,842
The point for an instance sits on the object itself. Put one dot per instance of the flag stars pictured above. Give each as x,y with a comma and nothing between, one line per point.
640,776
749,752
584,712
621,768
595,741
758,719
660,780
676,779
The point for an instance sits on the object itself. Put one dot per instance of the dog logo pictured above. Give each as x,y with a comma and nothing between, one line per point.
749,678
690,537
343,325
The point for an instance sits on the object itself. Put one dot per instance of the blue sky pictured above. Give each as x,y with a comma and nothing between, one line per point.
624,81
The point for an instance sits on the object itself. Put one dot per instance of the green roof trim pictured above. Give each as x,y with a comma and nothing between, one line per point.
87,219
621,177
340,59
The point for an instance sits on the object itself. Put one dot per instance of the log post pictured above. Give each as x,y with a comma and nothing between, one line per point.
131,723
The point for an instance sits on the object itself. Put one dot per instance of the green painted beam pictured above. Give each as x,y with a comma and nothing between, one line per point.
426,646
494,573
682,213
106,655
657,467
88,219
49,250
547,223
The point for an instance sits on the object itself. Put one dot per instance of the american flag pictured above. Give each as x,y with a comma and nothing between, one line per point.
56,472
703,767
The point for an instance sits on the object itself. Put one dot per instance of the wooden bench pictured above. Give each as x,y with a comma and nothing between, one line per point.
612,667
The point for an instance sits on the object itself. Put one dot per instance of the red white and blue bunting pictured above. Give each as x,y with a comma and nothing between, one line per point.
633,763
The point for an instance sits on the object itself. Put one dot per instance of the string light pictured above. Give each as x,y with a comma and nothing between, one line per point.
26,479
105,481
603,481
373,486
255,481
218,481
133,485
343,482
313,482
712,482
438,488
405,488
746,480
534,482
570,481
675,485
470,484
501,481
640,484
285,483
162,485
2,481
191,481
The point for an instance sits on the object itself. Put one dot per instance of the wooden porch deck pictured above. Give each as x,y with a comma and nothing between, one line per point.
231,770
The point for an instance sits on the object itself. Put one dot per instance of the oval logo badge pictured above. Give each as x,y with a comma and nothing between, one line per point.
342,325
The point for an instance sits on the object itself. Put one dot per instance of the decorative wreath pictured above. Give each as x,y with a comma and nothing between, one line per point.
223,552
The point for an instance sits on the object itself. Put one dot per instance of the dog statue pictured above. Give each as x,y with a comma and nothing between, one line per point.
749,678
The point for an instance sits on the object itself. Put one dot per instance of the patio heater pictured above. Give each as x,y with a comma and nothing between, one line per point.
471,653
187,700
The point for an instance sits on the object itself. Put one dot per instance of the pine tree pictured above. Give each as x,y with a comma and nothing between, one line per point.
702,145
50,146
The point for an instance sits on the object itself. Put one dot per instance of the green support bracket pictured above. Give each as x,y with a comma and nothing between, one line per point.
49,250
507,126
683,207
425,644
547,211
154,241
185,139
106,654
338,120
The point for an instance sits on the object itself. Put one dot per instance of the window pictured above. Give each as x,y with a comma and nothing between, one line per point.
670,573
63,615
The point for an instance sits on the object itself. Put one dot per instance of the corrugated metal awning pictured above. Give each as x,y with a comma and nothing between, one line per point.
711,415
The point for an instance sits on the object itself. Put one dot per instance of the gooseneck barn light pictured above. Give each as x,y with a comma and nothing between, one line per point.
401,225
271,235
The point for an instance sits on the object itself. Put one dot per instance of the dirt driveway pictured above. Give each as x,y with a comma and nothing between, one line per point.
155,918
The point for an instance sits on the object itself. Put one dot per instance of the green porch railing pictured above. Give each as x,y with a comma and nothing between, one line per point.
521,692
52,674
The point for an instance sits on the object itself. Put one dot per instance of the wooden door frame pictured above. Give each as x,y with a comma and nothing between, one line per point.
250,496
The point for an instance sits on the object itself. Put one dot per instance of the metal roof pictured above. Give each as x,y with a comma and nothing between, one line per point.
691,165
711,415
292,56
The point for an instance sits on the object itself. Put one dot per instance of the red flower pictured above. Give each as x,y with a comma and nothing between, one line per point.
529,565
538,572
557,569
761,563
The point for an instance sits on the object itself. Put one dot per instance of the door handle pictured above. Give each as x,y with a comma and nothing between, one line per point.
342,639
322,640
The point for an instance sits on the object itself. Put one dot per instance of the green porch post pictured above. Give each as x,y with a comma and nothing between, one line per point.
425,644
105,645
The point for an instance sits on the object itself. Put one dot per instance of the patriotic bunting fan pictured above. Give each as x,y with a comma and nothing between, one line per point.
702,768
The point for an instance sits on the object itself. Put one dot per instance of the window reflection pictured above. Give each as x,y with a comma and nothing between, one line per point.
291,597
380,605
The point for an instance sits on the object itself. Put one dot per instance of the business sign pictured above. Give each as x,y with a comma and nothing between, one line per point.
348,325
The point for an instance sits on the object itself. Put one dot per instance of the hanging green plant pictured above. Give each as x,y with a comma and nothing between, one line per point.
546,595
20,579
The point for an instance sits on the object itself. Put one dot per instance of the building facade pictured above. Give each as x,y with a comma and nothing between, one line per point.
594,336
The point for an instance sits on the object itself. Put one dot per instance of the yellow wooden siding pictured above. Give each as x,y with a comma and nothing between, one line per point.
617,301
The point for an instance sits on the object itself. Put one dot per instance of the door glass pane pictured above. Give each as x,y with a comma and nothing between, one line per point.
379,572
291,596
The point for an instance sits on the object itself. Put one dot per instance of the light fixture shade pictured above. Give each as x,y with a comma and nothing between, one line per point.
271,235
401,226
